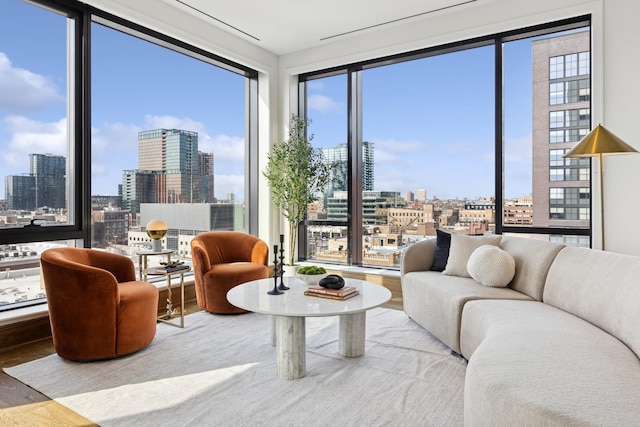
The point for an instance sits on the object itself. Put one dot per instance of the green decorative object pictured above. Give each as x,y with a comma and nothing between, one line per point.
296,175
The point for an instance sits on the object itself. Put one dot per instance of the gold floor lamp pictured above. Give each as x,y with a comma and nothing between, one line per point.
596,144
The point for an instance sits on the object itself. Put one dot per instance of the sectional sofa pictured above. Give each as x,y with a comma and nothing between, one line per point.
557,346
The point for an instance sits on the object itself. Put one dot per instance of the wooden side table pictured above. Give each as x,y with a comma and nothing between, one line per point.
171,314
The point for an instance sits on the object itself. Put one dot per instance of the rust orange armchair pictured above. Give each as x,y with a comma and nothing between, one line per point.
222,260
97,309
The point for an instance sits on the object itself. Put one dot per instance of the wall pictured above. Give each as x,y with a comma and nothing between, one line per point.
615,57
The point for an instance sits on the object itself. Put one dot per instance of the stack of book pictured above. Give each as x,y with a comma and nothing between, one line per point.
171,268
343,293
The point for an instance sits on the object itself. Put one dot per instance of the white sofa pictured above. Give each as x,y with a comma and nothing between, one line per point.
558,347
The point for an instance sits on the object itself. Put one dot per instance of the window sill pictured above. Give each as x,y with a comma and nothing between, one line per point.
23,314
39,311
382,272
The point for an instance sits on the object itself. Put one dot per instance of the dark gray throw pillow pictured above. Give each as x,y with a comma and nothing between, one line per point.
441,255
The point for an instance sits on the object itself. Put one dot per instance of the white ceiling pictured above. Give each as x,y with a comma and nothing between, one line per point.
285,26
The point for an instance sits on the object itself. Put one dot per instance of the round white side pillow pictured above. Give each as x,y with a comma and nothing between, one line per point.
491,266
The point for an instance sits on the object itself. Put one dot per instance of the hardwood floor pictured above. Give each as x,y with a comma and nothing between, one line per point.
21,405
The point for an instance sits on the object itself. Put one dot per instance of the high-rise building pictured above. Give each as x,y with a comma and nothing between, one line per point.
141,187
205,172
44,186
338,159
174,152
49,172
170,170
561,117
20,192
421,195
375,206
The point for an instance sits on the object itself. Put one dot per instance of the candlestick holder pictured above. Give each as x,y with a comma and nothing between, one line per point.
282,286
275,290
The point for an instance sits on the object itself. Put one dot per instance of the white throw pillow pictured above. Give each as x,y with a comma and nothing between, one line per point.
491,266
462,246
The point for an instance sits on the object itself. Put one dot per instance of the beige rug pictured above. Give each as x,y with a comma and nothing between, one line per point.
220,370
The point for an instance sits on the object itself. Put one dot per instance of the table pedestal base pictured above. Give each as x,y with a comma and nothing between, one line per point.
289,337
352,334
290,347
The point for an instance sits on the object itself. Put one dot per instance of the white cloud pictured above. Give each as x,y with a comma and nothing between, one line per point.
225,148
28,136
224,184
23,90
323,103
397,151
111,137
114,149
172,122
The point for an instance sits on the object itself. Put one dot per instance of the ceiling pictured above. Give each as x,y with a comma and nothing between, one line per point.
285,26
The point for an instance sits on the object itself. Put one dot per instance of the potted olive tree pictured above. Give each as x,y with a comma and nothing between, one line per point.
296,175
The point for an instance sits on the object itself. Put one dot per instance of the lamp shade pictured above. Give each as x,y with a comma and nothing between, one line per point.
600,141
157,229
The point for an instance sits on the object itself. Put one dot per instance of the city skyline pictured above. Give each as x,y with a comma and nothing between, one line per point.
415,145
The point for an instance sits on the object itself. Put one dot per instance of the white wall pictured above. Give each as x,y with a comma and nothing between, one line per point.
615,92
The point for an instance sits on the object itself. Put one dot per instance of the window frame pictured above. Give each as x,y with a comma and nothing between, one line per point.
77,181
354,129
80,131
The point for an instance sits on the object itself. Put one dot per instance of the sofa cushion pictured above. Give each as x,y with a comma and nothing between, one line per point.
441,254
435,301
532,364
491,266
533,258
462,246
600,287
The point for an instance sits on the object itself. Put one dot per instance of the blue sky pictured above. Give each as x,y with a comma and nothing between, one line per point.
136,86
431,121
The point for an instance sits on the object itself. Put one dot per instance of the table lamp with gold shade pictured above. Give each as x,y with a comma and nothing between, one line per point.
597,143
157,229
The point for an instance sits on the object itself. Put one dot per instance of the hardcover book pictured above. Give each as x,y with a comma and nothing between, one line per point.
345,290
171,269
329,296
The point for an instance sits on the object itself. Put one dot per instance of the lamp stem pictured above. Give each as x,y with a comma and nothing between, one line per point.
601,159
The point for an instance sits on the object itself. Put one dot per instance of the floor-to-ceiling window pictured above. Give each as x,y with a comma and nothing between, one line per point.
39,150
467,137
428,137
326,105
547,108
168,142
105,125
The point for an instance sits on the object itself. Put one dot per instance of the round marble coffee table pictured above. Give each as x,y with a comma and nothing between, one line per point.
292,307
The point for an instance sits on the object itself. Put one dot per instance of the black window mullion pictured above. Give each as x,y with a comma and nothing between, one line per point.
354,166
499,135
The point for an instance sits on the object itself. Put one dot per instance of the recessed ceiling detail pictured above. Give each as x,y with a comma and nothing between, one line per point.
218,20
285,26
397,20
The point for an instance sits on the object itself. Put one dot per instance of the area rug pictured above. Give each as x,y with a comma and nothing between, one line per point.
221,370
